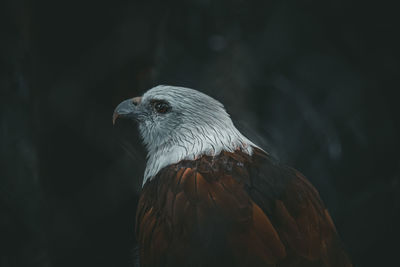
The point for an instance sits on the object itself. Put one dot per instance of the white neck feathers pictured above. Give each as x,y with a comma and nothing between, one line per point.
191,144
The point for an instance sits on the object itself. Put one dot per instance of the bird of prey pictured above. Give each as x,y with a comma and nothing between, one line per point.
211,197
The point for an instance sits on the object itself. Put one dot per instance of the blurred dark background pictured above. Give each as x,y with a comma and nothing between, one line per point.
313,82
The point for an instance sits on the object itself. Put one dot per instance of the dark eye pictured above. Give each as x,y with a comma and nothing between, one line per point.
161,106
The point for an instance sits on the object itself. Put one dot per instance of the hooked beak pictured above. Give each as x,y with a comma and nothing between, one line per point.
127,109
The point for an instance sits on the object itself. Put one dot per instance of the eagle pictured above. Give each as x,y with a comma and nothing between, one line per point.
211,197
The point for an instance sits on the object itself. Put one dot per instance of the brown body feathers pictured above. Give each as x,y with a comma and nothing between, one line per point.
234,210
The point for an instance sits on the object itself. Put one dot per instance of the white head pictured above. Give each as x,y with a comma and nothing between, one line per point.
178,123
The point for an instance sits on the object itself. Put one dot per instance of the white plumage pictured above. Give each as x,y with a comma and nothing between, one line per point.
196,125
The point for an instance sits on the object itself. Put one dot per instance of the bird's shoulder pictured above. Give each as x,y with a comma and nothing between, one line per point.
297,213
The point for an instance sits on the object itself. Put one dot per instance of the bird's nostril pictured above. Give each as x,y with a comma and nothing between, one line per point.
136,100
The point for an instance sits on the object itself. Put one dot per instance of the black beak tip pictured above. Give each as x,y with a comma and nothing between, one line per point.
114,117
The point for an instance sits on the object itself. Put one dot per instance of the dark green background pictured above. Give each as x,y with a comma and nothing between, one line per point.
313,82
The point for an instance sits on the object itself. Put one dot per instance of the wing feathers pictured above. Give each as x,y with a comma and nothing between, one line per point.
226,211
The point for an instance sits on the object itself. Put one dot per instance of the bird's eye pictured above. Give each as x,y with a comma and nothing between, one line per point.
161,106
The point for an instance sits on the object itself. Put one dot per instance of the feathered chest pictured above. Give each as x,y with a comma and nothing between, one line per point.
195,210
234,210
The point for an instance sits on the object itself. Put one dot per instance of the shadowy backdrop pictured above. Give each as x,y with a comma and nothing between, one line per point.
313,82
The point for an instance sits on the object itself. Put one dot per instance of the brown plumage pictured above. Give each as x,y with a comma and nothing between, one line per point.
235,210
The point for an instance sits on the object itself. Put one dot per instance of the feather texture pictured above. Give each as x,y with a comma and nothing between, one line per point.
234,209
